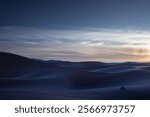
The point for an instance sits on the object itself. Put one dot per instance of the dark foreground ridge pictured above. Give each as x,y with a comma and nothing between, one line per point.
24,78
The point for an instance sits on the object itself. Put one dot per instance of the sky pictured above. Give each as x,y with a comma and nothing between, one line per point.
76,30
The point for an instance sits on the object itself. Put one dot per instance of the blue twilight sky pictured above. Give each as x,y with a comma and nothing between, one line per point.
76,30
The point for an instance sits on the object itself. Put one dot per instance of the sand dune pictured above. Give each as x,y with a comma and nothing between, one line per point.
117,69
24,78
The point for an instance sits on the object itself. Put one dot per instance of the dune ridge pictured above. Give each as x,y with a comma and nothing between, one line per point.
26,78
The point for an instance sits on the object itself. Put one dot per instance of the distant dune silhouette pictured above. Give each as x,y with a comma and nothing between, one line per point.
25,78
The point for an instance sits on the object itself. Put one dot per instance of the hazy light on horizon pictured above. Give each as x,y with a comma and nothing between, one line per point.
108,45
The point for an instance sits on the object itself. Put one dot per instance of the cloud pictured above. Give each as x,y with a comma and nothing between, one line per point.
109,45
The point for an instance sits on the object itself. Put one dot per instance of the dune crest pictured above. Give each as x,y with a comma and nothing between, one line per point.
25,78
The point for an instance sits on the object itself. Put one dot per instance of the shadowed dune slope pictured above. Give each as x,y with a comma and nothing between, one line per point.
25,78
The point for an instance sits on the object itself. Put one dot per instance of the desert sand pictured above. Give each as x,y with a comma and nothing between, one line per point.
25,78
